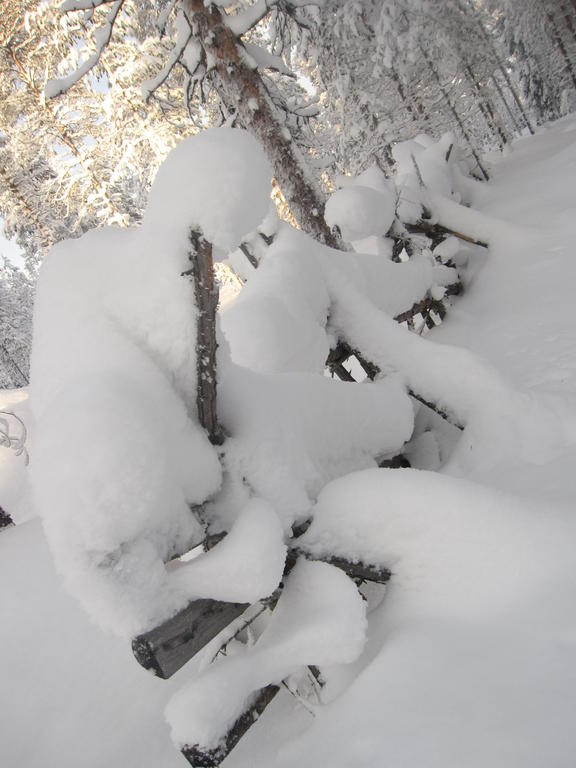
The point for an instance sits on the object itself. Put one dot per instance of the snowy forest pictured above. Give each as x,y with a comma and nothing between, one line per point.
287,383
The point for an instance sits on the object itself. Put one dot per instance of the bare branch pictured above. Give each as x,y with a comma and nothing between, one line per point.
101,37
149,86
69,6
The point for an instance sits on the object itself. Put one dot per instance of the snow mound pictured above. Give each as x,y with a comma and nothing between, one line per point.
396,287
320,619
291,433
360,212
454,547
502,421
245,566
118,454
217,181
277,322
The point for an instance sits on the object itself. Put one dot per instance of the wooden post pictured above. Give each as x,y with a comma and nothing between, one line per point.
206,294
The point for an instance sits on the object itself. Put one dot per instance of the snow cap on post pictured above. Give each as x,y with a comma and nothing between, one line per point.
360,212
217,182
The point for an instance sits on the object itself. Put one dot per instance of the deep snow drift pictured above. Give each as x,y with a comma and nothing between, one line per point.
470,657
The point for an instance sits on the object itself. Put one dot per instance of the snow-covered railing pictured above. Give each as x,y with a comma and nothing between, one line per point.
250,433
165,648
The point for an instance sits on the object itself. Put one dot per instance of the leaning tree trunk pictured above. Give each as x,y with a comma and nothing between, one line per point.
557,37
453,111
500,65
243,93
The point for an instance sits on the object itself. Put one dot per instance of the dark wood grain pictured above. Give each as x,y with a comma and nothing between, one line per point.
166,648
203,757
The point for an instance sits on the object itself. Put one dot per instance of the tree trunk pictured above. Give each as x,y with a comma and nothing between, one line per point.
556,36
501,68
486,108
454,113
243,93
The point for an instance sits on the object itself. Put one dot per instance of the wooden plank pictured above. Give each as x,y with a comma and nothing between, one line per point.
203,757
166,648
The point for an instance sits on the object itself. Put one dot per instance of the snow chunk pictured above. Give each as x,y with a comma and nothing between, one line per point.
396,287
217,181
360,212
453,547
320,619
291,433
277,322
116,465
245,566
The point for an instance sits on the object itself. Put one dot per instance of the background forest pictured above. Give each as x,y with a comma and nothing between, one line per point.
334,86
287,471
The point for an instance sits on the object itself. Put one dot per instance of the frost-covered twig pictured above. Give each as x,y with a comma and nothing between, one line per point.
101,37
176,55
16,443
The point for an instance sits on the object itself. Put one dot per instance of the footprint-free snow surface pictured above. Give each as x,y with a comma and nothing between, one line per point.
471,656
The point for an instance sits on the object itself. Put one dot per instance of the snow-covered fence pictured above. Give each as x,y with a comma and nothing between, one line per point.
144,345
165,648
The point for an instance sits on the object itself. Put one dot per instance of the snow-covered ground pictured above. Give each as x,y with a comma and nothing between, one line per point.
471,656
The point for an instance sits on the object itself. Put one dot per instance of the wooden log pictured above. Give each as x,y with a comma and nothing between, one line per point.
355,570
5,519
396,462
210,757
249,255
422,307
342,373
340,353
167,647
440,231
433,407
